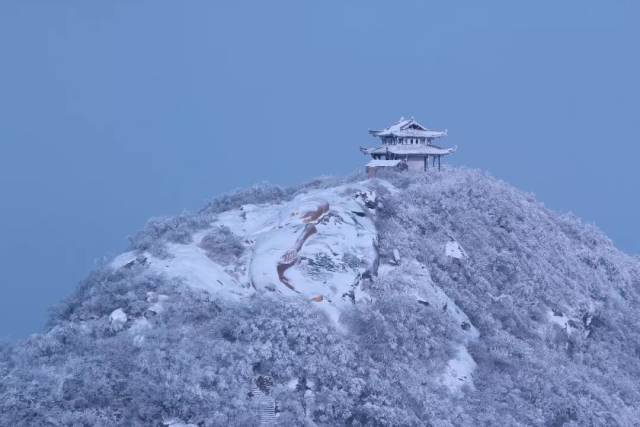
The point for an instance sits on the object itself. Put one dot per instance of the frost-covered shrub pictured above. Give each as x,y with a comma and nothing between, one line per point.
269,193
260,193
353,261
400,179
197,358
105,291
523,262
331,181
159,231
222,245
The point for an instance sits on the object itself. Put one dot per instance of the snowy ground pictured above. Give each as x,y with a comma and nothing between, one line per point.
314,247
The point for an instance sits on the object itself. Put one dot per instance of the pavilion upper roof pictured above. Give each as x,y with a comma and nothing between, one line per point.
408,128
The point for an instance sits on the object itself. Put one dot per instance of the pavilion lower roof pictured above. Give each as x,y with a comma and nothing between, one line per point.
409,149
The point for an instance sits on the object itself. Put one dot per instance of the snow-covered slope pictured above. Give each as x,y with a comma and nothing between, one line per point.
316,246
418,299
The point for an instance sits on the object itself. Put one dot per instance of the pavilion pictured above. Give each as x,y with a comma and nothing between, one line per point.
409,142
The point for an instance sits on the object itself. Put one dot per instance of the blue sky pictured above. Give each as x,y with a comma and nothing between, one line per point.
114,112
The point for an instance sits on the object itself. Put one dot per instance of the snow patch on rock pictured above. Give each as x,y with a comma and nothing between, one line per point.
453,249
459,371
560,319
117,319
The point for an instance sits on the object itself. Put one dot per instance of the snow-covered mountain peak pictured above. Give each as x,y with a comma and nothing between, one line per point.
418,299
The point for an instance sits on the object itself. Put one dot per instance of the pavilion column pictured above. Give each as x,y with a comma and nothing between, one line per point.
425,162
439,162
